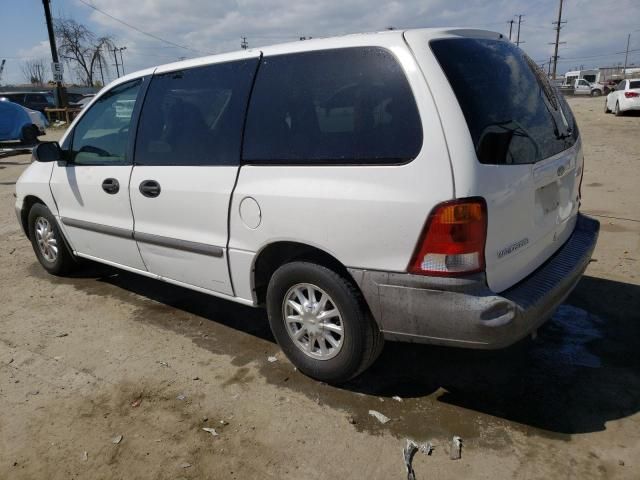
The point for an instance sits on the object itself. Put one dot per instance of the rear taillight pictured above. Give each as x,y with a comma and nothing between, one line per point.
453,239
631,94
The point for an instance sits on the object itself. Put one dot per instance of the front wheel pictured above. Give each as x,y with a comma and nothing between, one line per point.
617,110
321,322
48,243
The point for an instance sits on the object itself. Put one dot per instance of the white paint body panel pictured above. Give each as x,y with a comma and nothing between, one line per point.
79,196
365,216
193,205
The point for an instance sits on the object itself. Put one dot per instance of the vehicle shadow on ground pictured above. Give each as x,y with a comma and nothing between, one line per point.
582,371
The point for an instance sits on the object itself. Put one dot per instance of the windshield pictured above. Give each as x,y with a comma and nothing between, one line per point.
514,114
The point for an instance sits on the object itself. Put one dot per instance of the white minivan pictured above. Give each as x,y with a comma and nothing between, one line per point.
418,186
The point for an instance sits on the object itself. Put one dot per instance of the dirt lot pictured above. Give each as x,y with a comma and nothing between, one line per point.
107,353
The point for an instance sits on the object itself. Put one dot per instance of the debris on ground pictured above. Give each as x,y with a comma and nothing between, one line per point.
117,439
379,416
62,334
185,465
426,448
224,422
212,431
397,398
351,420
408,452
271,359
163,364
456,448
136,403
85,456
181,397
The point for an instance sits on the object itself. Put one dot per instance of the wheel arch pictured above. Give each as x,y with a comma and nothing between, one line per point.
28,202
276,254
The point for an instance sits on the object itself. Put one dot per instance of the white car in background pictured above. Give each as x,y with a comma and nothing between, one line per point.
624,98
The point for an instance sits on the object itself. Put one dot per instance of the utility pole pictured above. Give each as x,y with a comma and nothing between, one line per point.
244,44
115,57
510,22
626,55
60,93
121,60
518,42
558,25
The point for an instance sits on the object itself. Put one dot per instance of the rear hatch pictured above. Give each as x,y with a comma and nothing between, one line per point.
528,159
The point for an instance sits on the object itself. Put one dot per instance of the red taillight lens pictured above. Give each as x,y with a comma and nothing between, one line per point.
452,242
631,94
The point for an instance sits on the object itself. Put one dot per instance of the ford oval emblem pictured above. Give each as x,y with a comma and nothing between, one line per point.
561,170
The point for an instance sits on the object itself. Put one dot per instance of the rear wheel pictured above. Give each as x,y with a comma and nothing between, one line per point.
48,243
321,322
596,93
617,110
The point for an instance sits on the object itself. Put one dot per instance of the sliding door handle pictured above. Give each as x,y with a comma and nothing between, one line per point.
150,188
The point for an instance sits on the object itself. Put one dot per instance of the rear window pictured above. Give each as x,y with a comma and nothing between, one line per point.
513,113
342,106
634,84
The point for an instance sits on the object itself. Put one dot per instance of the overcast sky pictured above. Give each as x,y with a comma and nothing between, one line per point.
595,32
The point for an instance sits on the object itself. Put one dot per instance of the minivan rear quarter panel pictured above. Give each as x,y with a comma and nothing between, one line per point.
366,216
518,239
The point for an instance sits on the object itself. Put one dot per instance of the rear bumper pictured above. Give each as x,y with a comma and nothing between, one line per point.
464,312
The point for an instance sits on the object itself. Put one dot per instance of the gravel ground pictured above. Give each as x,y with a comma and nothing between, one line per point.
106,355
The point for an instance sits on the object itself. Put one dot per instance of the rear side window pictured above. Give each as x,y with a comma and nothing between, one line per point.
341,106
513,113
195,116
634,84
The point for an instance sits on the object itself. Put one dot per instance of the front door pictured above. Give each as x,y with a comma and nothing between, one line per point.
92,189
186,161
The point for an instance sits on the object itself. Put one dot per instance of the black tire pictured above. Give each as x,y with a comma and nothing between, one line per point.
596,93
616,110
362,341
64,261
29,135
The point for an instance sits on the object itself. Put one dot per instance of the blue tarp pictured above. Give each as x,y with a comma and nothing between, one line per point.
12,118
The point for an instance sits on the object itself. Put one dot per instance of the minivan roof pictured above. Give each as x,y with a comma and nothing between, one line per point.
380,38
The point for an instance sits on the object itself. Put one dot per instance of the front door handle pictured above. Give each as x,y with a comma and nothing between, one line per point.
150,188
111,186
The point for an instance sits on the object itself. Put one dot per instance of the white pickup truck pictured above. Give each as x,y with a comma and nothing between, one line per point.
583,87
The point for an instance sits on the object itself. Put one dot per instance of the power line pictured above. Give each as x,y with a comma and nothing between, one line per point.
138,30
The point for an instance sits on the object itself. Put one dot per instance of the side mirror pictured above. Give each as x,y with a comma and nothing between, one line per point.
47,152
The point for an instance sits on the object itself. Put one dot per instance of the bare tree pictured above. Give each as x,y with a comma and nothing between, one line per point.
82,49
33,71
